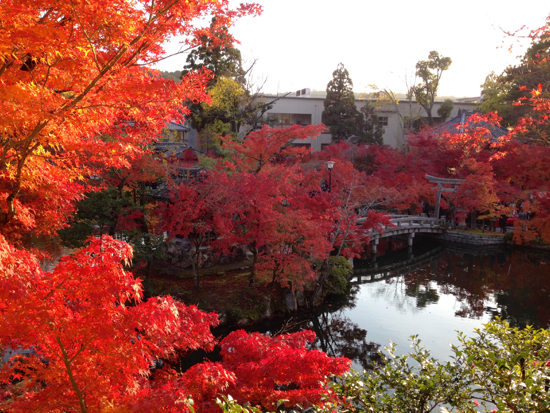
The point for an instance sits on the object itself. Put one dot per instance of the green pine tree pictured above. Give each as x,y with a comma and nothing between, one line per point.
445,110
224,61
217,54
369,129
235,103
340,114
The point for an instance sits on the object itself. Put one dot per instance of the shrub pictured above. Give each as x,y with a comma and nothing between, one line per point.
337,281
505,367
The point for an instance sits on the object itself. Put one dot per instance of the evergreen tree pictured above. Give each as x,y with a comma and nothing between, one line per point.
234,100
340,114
369,128
217,55
445,110
224,61
494,97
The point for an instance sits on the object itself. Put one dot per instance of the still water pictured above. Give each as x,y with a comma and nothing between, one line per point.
432,291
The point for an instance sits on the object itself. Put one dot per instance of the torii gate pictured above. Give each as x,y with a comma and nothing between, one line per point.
440,182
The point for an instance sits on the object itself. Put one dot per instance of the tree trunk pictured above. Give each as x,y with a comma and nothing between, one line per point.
194,264
325,272
254,261
147,282
430,118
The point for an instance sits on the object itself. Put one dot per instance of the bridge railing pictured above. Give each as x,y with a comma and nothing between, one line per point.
408,221
416,220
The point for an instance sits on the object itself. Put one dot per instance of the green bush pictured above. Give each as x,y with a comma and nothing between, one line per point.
337,281
399,385
511,367
500,367
539,241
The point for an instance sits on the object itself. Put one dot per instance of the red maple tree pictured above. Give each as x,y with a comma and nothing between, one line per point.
77,98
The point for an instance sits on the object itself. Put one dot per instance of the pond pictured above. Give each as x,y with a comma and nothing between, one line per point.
432,291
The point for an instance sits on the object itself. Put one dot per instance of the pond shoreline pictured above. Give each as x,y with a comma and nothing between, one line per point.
472,239
240,303
493,239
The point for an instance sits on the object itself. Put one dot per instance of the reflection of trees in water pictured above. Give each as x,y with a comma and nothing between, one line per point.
470,279
517,308
518,281
337,335
393,290
524,294
420,287
409,292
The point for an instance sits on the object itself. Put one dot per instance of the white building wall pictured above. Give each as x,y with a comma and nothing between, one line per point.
393,135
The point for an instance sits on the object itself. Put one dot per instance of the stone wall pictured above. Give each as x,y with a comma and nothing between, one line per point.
472,239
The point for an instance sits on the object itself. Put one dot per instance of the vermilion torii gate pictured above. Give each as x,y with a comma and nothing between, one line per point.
440,182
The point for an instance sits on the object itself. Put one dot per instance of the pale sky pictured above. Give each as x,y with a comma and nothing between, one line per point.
299,43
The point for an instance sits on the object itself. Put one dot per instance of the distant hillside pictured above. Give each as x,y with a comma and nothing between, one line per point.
322,93
175,76
318,93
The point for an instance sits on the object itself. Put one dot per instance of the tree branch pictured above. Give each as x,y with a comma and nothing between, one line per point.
67,363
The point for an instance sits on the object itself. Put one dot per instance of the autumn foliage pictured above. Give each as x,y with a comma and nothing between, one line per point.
77,95
79,106
271,198
86,341
499,175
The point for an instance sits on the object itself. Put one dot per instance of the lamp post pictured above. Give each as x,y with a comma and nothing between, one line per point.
330,165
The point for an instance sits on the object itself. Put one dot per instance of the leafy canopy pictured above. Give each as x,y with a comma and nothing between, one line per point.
502,366
430,71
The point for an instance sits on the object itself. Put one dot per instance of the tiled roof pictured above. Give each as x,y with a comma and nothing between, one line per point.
171,148
456,125
177,126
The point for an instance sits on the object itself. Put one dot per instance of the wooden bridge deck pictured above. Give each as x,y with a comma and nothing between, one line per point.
406,224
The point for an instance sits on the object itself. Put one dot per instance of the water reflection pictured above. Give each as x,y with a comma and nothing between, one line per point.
515,280
436,290
337,335
408,293
432,291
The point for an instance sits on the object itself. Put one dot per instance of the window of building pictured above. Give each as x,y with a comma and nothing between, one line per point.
302,145
325,146
285,119
173,135
383,120
183,135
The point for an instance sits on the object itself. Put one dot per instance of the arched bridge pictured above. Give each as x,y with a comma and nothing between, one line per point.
406,224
